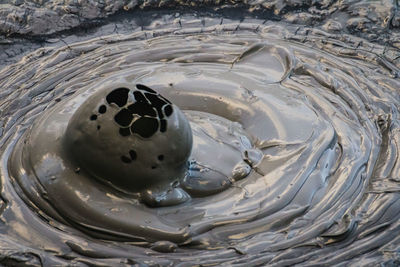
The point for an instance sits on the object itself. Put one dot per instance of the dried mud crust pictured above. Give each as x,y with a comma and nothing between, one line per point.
28,25
37,18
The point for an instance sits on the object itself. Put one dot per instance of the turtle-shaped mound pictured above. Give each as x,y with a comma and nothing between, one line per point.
130,137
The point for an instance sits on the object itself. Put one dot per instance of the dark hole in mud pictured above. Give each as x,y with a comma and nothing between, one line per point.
93,117
145,88
133,154
160,157
125,159
102,109
163,126
98,127
153,167
139,97
145,127
124,131
142,109
168,110
124,117
157,102
118,96
166,100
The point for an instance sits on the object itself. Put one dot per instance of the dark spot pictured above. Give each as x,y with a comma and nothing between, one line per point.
160,157
57,99
170,84
118,96
124,131
139,97
77,170
133,154
168,110
102,109
157,102
142,109
145,88
145,127
93,117
163,126
166,100
124,117
153,167
125,159
98,127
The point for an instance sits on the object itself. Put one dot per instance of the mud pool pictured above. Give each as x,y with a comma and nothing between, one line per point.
310,101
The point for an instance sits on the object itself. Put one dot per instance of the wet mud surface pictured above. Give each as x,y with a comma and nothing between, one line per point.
314,88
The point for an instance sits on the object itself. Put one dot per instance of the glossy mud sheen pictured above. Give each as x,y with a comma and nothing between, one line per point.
322,108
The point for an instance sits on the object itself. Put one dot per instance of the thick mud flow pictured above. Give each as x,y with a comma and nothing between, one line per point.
295,157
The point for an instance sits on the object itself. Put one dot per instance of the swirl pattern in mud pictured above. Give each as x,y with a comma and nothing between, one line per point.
323,114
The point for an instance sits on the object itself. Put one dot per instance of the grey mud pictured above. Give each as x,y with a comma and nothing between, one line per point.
225,143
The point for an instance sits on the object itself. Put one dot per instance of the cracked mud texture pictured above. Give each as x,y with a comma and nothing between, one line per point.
26,25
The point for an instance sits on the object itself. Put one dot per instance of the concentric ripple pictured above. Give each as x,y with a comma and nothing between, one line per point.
324,115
